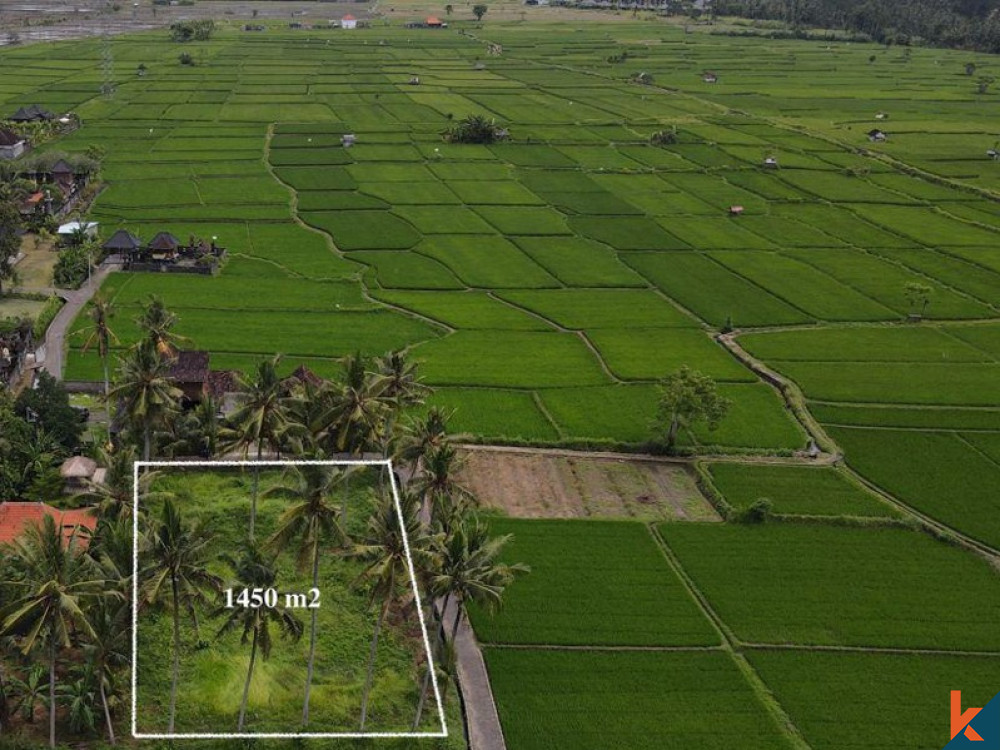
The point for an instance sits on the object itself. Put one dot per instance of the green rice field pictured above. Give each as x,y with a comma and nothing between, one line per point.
545,285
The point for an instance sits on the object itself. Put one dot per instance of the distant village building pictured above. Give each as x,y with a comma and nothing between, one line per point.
77,471
882,116
11,144
33,113
770,162
348,22
434,22
993,154
17,517
709,77
190,373
70,229
735,210
877,136
347,140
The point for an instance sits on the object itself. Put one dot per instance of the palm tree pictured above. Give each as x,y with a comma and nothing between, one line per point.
471,569
438,487
254,570
109,650
178,555
113,498
156,321
261,419
58,582
356,416
397,380
145,391
310,523
424,434
445,668
102,310
383,550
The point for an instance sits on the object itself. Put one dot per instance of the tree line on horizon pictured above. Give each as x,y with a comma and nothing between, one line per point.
963,24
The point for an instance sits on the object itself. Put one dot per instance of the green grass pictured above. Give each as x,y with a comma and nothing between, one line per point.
624,233
712,292
652,353
364,230
467,310
575,261
824,585
900,416
549,699
838,700
796,490
515,359
494,413
212,678
884,344
591,583
935,472
601,308
487,261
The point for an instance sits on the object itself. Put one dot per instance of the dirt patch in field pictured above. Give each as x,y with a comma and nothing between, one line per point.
541,485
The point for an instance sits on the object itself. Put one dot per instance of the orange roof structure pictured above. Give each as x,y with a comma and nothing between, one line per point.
16,517
433,21
348,17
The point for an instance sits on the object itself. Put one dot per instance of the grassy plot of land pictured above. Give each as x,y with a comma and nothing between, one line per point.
645,701
592,583
825,585
213,673
796,490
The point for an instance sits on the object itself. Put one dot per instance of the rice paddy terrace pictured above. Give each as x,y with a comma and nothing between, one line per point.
546,284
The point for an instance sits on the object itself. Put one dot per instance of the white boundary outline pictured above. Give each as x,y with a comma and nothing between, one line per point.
276,735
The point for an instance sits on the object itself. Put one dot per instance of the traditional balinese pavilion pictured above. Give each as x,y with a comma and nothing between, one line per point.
190,372
124,243
32,113
164,244
17,517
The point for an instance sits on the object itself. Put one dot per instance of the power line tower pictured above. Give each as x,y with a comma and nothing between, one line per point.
107,53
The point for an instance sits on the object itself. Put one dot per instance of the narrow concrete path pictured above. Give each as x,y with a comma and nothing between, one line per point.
55,336
481,716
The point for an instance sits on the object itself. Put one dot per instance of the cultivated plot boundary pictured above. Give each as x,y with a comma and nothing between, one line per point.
137,468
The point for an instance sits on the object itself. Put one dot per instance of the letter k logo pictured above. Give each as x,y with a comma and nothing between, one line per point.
960,721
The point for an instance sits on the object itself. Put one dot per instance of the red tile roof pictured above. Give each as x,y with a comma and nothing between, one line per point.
16,517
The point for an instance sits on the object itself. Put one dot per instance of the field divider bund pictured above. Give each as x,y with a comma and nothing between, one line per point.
732,645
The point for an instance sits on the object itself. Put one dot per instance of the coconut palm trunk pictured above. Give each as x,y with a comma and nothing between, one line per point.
374,651
424,690
246,686
458,619
107,379
53,643
107,712
146,442
256,489
312,641
176,667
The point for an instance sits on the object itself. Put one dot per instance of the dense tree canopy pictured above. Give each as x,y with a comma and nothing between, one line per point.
954,23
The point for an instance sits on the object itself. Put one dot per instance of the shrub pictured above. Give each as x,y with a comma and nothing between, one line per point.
476,129
759,511
185,59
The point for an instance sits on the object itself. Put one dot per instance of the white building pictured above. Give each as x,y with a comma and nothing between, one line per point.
348,22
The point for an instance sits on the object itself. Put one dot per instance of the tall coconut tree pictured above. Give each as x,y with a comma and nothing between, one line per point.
254,569
382,549
310,525
438,486
102,310
471,569
57,582
422,435
400,385
261,420
145,391
178,573
356,415
156,322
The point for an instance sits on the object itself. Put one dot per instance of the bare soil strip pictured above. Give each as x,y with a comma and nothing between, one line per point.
533,484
